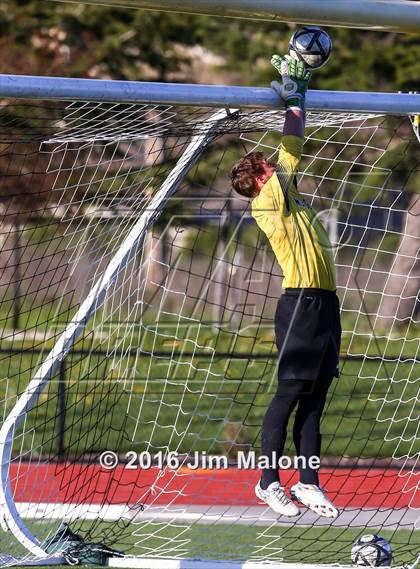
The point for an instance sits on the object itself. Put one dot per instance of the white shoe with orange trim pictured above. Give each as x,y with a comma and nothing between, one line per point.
313,497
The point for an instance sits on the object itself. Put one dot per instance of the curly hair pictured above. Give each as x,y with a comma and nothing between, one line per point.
244,172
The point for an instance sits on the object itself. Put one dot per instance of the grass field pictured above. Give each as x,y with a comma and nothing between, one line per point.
241,542
211,402
184,401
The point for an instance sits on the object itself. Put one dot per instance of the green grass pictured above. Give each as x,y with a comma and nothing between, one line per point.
370,410
215,405
239,542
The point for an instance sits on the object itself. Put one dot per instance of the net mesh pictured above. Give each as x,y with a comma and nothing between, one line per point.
178,364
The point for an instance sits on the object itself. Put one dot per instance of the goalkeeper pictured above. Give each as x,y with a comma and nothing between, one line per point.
307,318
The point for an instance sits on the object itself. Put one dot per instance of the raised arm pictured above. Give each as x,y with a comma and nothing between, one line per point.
295,122
292,90
295,78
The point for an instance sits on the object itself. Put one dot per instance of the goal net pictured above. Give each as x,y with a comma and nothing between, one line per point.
137,349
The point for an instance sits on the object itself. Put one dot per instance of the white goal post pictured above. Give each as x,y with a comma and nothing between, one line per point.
10,519
389,15
110,158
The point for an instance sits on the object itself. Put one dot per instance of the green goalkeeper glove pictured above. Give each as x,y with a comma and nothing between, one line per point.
295,79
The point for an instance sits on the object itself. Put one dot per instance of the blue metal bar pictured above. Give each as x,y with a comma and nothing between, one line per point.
33,87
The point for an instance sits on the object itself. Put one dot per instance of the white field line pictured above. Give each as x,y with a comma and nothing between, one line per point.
256,515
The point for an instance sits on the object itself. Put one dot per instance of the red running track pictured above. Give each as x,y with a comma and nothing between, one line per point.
89,484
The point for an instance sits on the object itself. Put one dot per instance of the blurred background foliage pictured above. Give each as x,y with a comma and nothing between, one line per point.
78,40
40,37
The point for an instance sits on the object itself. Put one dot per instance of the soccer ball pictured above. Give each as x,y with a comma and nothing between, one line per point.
371,551
311,45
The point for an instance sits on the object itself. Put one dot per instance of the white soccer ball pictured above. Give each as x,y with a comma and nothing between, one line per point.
311,45
371,551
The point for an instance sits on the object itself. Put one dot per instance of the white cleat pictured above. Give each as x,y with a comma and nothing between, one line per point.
278,501
314,498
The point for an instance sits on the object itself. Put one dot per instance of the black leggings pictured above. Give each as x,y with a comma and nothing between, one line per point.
309,396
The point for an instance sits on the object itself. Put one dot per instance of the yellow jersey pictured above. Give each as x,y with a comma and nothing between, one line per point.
296,235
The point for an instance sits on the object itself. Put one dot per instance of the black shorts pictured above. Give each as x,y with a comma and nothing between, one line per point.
308,333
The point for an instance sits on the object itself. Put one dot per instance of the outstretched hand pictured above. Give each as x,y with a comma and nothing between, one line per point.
295,79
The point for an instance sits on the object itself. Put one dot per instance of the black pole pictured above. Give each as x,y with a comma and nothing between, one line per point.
61,412
16,277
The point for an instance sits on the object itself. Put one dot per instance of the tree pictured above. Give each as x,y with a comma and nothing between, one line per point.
78,40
